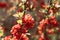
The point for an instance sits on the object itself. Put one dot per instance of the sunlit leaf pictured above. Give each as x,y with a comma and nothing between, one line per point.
20,4
21,14
19,21
23,7
16,15
1,32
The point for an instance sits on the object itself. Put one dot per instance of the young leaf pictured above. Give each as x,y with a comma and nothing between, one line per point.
19,21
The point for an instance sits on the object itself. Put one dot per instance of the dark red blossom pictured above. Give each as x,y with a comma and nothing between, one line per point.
3,4
42,4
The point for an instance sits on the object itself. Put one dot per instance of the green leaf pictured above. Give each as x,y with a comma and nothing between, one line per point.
21,14
19,21
16,15
53,0
23,6
20,4
0,38
1,32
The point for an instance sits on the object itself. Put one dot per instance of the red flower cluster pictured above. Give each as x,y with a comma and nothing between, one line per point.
18,30
49,24
28,21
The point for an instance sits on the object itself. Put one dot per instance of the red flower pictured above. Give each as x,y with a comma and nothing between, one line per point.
51,10
21,37
7,38
53,21
50,31
15,28
41,39
42,4
24,37
3,4
28,21
42,24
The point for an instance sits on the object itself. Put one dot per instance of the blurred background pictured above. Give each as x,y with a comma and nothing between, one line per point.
8,8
